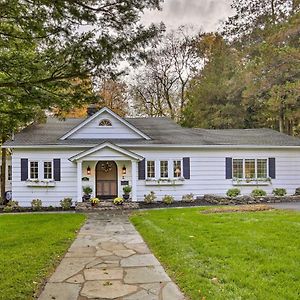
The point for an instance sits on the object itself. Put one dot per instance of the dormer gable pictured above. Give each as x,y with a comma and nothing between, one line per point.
105,124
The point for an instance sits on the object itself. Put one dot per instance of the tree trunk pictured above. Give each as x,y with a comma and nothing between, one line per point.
281,119
273,12
3,172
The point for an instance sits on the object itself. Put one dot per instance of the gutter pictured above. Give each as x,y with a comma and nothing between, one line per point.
153,146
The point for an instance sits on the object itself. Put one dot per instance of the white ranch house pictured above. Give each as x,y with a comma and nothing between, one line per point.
55,160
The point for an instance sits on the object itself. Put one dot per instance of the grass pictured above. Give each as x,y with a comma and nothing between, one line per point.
30,247
254,255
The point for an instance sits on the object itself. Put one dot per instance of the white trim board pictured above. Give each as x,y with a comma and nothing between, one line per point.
156,146
98,113
105,145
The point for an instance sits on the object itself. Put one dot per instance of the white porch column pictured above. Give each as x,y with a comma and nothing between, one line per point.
79,181
134,180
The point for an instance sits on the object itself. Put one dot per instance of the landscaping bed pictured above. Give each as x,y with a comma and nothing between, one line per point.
238,208
128,205
246,199
43,209
244,255
160,204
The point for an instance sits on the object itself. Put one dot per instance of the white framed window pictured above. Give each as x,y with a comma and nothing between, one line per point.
177,168
262,168
48,170
164,169
238,168
250,168
150,169
33,169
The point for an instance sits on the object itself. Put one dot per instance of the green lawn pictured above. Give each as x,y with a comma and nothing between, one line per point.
30,246
253,255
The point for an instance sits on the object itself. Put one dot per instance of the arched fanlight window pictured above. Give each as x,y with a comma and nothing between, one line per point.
105,122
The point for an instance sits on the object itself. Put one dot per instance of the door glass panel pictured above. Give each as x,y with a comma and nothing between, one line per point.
106,179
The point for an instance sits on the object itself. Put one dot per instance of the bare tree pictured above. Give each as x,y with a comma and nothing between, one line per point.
159,87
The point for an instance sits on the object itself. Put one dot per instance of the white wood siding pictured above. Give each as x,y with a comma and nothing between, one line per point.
92,130
51,195
207,172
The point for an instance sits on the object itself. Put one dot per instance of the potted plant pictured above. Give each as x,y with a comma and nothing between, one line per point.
94,201
87,190
126,189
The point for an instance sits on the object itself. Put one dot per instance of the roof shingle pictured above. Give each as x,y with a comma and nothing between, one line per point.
161,130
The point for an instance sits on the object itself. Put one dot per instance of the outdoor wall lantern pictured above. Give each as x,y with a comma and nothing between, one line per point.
124,170
88,170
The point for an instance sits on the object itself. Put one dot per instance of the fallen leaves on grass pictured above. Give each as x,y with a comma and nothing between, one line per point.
239,208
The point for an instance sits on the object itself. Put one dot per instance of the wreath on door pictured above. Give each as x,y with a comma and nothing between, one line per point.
106,167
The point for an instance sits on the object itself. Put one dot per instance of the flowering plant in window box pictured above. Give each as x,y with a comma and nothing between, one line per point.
251,181
40,183
165,181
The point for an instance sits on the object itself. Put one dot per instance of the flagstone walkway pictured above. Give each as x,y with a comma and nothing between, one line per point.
110,260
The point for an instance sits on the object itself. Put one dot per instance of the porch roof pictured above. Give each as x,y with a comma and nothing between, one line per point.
109,145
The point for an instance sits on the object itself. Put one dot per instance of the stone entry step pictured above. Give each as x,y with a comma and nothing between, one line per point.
105,205
110,260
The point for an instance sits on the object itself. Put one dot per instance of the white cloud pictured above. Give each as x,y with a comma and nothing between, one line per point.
202,14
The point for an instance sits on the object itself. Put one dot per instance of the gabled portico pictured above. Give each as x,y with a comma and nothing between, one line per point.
106,168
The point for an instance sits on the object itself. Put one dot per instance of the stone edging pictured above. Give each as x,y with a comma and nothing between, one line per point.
224,200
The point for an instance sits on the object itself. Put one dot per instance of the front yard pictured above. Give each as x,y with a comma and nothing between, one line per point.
243,255
30,246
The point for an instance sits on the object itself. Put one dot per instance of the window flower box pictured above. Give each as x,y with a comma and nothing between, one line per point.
40,183
164,181
251,182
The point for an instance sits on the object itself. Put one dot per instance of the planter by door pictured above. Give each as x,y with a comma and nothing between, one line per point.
106,180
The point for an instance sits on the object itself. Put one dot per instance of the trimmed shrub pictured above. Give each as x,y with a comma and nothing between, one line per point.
150,198
36,204
258,193
188,198
66,203
168,199
11,206
233,192
279,192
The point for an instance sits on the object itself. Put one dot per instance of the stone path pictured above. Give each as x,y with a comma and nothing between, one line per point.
110,260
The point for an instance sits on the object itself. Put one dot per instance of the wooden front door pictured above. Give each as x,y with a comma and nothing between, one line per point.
106,180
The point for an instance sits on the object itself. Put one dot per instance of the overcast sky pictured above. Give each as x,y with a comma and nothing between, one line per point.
203,14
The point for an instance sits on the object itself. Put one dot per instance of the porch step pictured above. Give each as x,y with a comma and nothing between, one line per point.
105,205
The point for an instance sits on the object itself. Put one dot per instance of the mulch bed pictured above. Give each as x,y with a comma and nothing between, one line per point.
240,208
29,209
159,204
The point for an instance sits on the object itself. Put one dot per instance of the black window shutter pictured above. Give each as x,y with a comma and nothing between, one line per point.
142,169
272,168
228,168
24,169
56,166
186,167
